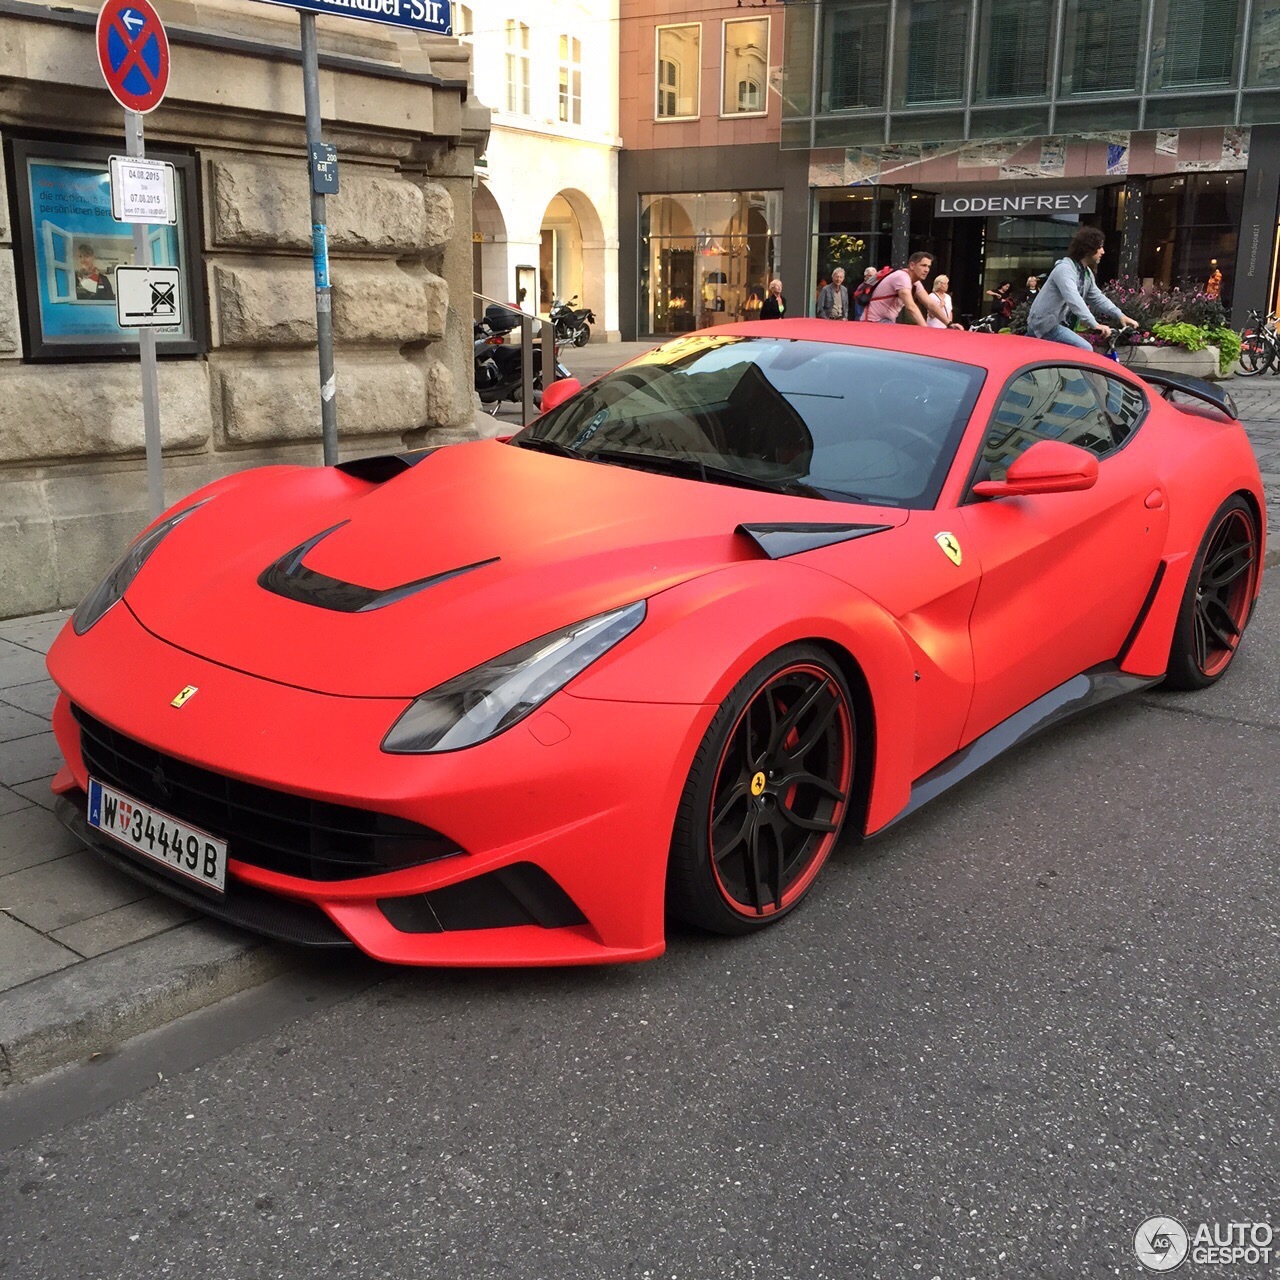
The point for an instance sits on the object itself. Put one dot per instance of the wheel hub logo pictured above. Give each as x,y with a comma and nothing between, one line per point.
1161,1244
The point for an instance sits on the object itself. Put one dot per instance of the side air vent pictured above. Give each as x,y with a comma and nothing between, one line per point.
780,540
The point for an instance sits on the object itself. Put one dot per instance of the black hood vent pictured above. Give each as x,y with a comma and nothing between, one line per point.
780,540
290,578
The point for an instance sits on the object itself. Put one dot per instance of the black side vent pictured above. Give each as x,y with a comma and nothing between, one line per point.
779,540
381,467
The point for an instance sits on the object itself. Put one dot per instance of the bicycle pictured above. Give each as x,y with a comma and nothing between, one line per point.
1118,337
1259,346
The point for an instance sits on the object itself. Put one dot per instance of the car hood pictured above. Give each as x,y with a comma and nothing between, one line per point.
353,587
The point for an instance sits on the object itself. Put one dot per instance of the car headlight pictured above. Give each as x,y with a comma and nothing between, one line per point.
484,701
114,585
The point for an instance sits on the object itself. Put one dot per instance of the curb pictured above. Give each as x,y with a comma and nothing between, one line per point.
97,1004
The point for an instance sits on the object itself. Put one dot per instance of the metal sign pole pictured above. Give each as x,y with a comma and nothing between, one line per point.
147,343
320,244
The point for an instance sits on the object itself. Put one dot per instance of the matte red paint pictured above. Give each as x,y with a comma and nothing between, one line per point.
299,698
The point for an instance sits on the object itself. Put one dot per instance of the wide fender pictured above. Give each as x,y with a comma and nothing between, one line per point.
1215,463
700,638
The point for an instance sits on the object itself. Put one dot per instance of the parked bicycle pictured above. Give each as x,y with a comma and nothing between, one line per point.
1259,346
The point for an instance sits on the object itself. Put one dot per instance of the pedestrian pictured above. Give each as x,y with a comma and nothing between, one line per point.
903,292
941,294
859,305
833,301
1002,304
1070,289
775,305
1033,287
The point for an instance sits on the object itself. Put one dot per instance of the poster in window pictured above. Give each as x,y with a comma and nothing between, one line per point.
70,245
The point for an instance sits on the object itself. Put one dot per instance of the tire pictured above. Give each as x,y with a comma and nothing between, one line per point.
583,336
766,796
1218,599
1255,355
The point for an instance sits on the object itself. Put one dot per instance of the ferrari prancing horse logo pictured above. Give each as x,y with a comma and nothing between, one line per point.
947,541
187,692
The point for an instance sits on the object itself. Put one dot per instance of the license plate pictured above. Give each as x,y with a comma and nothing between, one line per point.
187,850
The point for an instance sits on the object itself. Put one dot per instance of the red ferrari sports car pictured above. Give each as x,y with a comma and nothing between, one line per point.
518,701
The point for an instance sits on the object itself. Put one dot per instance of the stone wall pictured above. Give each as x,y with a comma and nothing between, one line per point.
72,467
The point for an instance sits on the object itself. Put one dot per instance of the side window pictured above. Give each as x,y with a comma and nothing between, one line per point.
1060,402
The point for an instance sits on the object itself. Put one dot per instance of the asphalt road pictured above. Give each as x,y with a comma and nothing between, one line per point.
993,1043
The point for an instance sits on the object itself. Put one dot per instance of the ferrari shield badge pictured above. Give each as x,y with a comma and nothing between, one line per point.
947,541
187,692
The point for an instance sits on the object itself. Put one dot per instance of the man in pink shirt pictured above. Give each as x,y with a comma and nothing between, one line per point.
905,288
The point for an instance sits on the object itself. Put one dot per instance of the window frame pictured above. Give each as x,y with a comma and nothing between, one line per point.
975,464
518,60
657,74
570,72
763,110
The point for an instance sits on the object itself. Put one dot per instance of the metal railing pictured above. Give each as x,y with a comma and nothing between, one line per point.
547,336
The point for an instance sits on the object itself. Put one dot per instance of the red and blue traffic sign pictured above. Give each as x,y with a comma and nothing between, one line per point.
133,52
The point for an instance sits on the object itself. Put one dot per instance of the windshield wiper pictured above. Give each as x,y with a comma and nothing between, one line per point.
547,446
700,470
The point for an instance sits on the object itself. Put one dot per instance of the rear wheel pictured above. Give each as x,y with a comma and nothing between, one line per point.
766,795
583,336
1255,355
1219,596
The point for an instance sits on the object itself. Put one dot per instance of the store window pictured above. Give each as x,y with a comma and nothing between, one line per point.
1197,41
855,45
1103,43
678,67
931,51
1190,226
570,80
518,103
745,66
706,258
1014,43
69,244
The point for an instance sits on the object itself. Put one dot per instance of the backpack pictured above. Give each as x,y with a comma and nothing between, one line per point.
863,293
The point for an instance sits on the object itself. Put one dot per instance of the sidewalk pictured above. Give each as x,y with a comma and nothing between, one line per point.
88,957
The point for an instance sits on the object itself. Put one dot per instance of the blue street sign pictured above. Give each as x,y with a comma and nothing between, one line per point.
435,16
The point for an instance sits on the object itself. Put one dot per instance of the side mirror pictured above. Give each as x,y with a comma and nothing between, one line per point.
560,391
1049,466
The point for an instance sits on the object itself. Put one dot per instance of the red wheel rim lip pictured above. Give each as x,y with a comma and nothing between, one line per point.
823,850
1241,593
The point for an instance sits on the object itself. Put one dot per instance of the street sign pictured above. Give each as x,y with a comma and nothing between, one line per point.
148,297
435,16
133,52
142,190
324,168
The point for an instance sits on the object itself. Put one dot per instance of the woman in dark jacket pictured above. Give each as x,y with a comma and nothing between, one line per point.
775,305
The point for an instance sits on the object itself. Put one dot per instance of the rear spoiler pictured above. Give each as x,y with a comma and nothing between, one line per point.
1197,388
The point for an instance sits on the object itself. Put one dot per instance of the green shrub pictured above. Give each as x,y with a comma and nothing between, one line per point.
1189,336
1228,343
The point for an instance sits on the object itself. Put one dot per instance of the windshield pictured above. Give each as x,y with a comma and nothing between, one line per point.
817,419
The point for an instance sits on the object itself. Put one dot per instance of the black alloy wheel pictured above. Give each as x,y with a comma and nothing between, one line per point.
1219,597
766,796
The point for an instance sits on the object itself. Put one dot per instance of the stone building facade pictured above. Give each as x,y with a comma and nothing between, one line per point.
72,469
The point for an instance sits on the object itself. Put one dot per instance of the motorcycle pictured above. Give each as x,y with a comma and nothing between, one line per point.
572,325
497,363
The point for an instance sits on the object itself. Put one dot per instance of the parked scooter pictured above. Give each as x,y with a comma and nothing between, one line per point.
497,364
572,325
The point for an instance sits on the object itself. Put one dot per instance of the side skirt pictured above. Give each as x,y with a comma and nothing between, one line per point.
1079,694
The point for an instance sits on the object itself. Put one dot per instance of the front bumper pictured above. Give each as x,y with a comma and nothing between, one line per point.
576,803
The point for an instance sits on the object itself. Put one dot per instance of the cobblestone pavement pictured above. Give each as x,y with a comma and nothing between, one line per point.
1258,400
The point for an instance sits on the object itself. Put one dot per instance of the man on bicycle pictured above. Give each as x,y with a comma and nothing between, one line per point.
1070,290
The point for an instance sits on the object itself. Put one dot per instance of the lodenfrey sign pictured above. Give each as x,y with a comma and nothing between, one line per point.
1040,203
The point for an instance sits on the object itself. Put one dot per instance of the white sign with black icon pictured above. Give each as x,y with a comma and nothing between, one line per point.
142,190
148,297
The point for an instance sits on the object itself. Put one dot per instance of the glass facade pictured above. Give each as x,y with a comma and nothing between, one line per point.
706,258
862,72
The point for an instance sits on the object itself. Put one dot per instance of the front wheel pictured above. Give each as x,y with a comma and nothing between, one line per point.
766,795
583,336
1218,599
